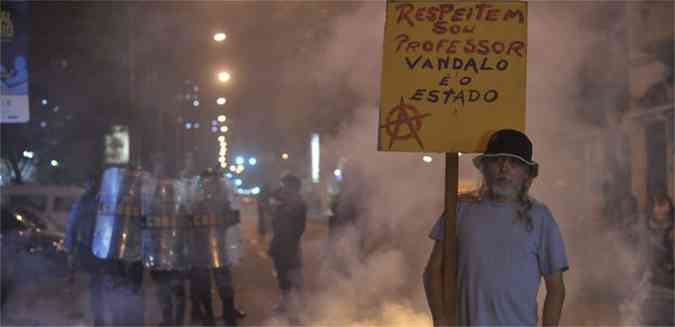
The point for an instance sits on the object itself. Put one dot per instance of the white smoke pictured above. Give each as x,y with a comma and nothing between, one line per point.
565,80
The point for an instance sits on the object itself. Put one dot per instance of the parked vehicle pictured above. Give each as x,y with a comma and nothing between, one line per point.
30,251
52,202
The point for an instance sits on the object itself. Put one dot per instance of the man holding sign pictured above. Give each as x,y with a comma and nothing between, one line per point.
506,240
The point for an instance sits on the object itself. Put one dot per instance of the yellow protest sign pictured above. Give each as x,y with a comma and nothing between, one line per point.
452,73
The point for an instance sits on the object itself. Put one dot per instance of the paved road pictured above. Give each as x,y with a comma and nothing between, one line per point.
55,302
360,301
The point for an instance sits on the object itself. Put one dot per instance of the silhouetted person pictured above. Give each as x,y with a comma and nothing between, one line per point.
288,226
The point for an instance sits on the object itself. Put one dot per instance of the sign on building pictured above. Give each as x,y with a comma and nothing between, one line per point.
453,72
14,33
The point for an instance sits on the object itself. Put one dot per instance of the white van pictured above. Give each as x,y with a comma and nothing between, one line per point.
52,202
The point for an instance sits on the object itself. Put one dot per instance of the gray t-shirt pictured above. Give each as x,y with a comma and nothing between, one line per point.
500,263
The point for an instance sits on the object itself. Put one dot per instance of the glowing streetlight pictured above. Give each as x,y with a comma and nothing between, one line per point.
219,37
44,102
238,182
240,167
427,159
239,160
284,156
222,118
221,159
195,103
221,138
337,173
233,168
224,76
54,163
221,101
255,190
224,129
252,161
223,165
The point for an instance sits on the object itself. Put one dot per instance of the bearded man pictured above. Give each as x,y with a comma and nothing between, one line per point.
506,242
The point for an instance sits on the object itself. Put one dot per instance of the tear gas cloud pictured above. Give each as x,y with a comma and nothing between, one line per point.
577,63
571,52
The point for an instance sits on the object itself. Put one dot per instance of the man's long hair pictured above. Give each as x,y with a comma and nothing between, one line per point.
524,200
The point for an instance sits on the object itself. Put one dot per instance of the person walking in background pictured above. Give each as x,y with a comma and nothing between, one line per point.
657,307
288,226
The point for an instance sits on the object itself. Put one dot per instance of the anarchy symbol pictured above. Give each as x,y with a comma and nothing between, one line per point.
404,114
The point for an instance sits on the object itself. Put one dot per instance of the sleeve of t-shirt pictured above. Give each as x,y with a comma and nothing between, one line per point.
552,256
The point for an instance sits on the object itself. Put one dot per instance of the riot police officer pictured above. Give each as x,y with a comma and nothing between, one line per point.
166,248
223,275
124,198
78,239
215,243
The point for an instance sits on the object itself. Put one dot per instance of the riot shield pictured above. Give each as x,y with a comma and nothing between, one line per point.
124,200
212,223
165,241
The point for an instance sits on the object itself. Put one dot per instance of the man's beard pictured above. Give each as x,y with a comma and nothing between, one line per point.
504,189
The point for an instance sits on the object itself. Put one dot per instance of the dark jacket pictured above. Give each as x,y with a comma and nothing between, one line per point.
288,225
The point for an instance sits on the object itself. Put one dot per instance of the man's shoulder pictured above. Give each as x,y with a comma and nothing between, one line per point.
541,211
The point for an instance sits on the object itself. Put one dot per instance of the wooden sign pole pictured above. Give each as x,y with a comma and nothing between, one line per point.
449,292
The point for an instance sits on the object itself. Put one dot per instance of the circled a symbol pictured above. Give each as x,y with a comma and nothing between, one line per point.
403,114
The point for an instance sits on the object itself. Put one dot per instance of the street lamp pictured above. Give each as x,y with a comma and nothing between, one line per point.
284,156
219,37
221,138
221,101
223,129
222,118
224,76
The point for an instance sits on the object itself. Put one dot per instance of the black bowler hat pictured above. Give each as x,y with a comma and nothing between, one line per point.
508,143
